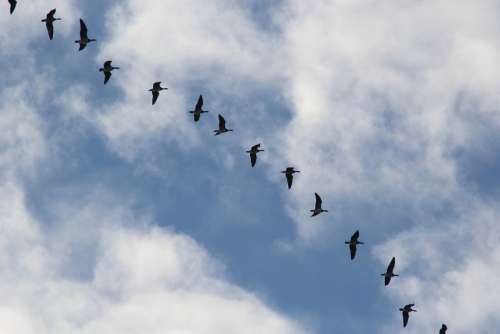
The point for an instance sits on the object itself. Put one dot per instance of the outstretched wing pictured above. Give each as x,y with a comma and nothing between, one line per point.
387,280
52,12
352,248
390,268
289,180
50,29
155,96
406,316
13,4
354,237
83,30
318,201
222,122
107,75
107,63
199,103
156,85
253,158
255,147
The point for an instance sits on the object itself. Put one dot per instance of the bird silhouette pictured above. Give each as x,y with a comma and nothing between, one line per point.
49,20
84,38
198,109
156,90
107,68
407,309
443,329
317,206
353,244
222,126
289,171
253,153
13,4
389,273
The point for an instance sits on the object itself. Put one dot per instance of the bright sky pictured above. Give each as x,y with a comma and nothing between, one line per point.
117,216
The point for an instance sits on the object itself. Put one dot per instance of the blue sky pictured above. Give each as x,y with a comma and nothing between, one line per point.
119,216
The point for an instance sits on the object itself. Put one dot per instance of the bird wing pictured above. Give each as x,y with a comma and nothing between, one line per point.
355,237
387,280
199,103
318,201
50,29
156,85
289,180
83,30
196,116
390,268
253,158
255,147
352,248
222,122
406,315
107,63
13,4
155,96
107,75
52,12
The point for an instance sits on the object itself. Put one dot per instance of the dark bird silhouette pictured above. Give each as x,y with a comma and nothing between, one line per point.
156,90
406,313
390,271
317,207
253,153
443,329
222,126
289,171
107,68
198,109
13,4
84,38
353,244
49,20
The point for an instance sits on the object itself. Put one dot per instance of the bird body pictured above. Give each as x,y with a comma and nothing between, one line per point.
407,309
156,90
289,171
84,38
49,20
107,68
253,153
389,273
317,207
13,4
353,244
222,126
198,109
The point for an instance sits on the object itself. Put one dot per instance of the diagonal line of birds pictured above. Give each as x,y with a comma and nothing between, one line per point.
253,151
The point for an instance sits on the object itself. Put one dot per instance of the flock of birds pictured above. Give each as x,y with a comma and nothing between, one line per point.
254,150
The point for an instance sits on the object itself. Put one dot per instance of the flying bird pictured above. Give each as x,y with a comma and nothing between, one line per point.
317,207
13,4
222,126
253,153
156,90
84,38
289,175
49,20
107,68
406,313
390,271
353,244
198,109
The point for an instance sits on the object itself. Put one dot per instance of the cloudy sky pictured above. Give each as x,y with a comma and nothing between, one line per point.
121,217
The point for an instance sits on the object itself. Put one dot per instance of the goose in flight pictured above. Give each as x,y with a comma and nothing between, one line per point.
389,272
406,313
198,109
156,90
13,4
84,38
317,207
253,153
289,171
353,244
443,329
107,68
222,126
49,20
